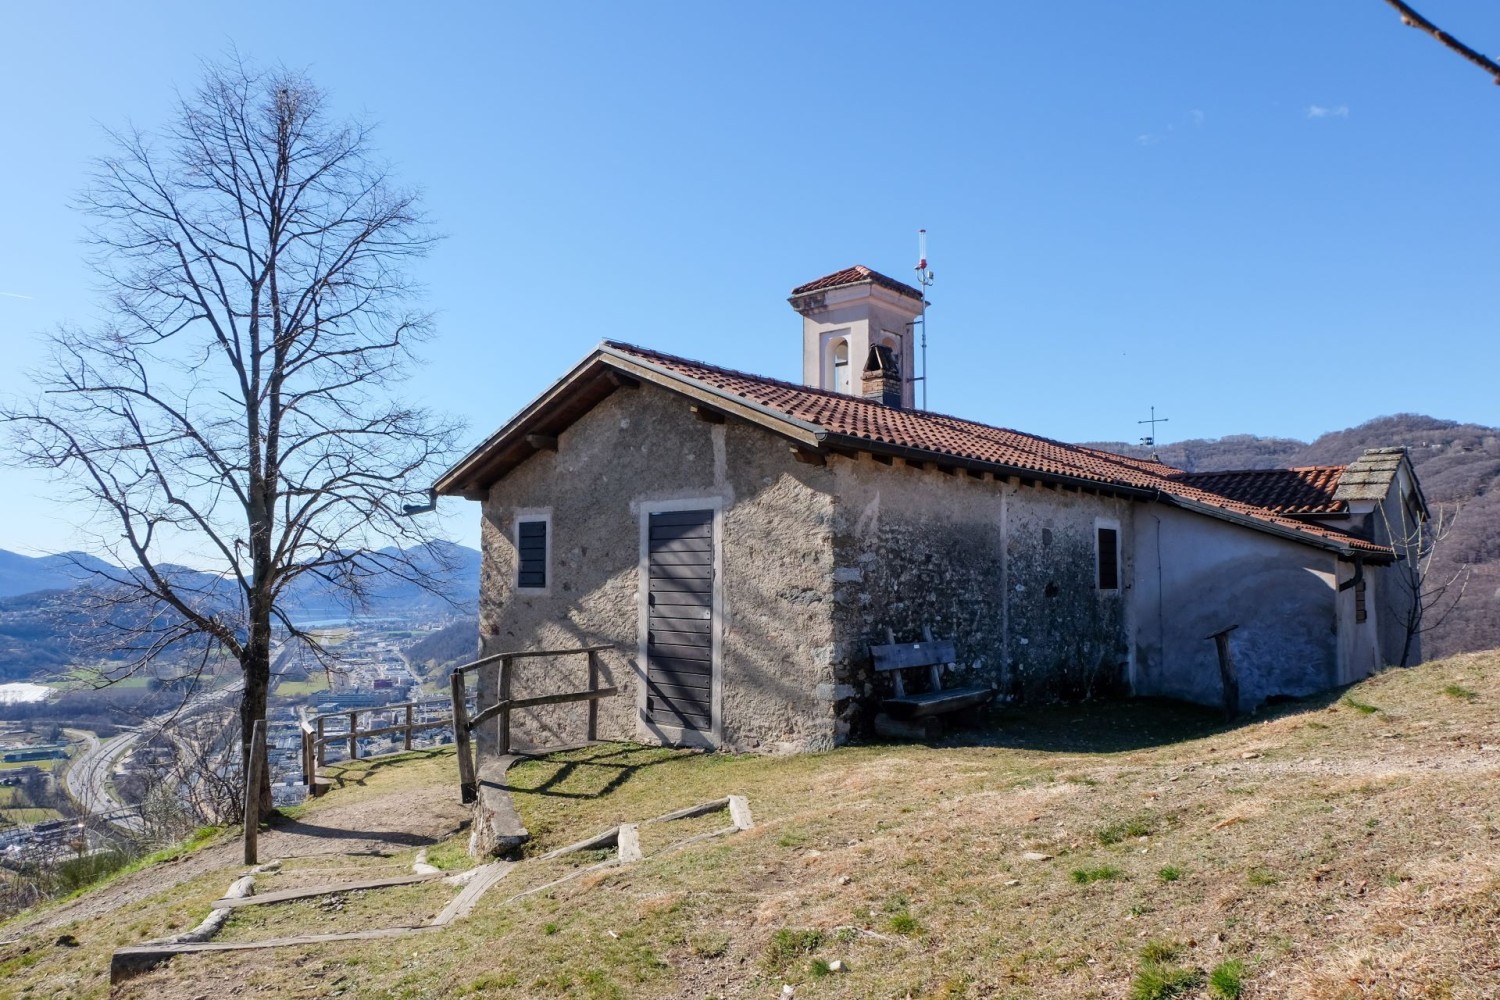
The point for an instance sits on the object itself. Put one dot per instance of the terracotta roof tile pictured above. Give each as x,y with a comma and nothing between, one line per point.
1306,490
853,276
965,440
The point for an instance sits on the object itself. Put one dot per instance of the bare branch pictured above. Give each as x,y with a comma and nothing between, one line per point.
1412,19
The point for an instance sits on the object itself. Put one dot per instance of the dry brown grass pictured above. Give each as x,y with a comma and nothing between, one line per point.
1336,852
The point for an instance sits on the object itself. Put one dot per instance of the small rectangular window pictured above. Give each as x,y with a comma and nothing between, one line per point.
531,551
1109,559
1360,613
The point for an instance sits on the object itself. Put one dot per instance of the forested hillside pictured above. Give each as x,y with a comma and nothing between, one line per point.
1459,468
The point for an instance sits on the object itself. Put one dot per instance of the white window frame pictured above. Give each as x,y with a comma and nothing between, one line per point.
829,378
530,515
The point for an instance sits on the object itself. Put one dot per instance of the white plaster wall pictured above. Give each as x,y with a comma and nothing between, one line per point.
1195,575
1359,642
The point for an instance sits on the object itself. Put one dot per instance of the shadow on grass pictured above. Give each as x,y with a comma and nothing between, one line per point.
395,838
1115,726
359,772
591,772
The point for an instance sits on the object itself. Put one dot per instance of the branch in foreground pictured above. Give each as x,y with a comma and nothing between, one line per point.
1412,19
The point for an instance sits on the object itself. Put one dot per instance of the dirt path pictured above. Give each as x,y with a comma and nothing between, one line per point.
370,826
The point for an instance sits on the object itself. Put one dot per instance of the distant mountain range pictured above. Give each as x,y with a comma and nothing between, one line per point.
27,574
36,594
1459,469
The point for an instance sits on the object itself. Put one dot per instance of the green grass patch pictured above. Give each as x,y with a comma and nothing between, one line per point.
1460,692
302,689
790,945
902,922
1169,873
1261,877
1160,951
1100,873
1158,981
1227,981
1136,826
1361,707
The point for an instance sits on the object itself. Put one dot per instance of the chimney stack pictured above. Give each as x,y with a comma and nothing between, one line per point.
881,380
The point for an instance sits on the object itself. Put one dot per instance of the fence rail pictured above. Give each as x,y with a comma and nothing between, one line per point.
316,738
463,725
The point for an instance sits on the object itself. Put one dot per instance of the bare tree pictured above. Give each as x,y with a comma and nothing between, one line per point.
1427,600
1412,19
239,404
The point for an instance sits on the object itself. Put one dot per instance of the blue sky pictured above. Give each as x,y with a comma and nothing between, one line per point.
1274,217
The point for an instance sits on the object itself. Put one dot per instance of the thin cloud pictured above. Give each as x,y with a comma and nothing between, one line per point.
1192,120
17,295
1319,111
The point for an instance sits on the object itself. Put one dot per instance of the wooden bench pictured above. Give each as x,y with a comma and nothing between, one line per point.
928,656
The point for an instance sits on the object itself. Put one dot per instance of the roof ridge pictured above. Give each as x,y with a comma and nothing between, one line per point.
853,275
856,419
1274,468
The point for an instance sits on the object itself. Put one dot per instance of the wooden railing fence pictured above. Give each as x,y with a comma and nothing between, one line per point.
316,739
464,726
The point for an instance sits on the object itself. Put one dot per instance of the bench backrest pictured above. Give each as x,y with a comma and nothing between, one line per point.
901,655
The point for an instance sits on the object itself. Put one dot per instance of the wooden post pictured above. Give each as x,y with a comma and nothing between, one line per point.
253,771
593,728
408,727
1227,675
353,743
307,755
468,787
505,671
322,746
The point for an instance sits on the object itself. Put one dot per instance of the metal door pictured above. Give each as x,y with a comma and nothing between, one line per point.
679,624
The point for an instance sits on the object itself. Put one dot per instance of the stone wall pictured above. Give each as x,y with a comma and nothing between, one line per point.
1007,571
644,445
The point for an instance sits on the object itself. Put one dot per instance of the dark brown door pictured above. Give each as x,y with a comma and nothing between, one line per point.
679,626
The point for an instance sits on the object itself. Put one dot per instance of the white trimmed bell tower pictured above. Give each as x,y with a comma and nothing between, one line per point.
843,316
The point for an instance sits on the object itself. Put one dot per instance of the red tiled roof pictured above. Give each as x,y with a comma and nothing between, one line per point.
853,276
1306,490
937,436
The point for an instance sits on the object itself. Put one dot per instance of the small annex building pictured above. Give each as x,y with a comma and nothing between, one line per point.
741,542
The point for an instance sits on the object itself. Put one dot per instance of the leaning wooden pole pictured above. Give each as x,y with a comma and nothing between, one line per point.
254,767
1228,676
468,786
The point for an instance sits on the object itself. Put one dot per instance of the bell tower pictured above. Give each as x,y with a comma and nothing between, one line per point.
844,316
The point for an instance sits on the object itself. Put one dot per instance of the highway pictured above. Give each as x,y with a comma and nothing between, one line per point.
87,778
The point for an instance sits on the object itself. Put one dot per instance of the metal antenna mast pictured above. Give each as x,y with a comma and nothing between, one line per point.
1149,440
924,278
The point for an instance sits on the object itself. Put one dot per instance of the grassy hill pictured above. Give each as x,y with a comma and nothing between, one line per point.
1343,847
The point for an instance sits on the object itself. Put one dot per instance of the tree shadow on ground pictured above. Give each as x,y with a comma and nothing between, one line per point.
1115,726
339,774
395,838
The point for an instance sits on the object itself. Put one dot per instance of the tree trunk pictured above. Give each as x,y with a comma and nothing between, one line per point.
255,665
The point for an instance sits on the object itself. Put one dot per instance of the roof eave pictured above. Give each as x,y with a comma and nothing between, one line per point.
1282,531
469,477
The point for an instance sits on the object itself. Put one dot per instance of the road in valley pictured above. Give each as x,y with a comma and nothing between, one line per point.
87,778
